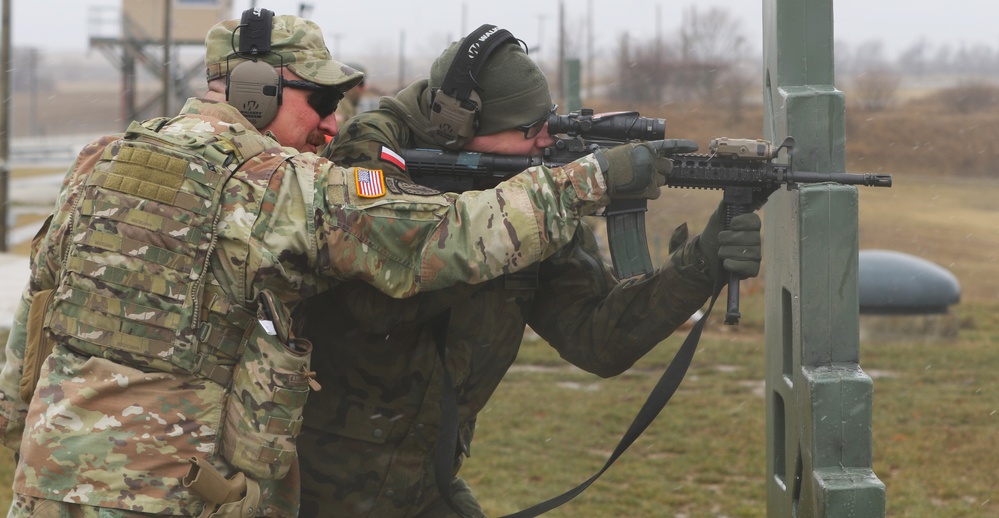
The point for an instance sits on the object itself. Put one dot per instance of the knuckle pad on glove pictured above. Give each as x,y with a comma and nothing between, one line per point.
728,237
740,252
750,221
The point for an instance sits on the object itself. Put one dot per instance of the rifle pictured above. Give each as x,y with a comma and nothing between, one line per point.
584,133
744,169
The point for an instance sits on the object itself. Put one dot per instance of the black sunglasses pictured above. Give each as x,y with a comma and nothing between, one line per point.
531,130
323,99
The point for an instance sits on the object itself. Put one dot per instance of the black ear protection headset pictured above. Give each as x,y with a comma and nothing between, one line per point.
254,87
455,106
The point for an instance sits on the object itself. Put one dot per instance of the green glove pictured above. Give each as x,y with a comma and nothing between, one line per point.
633,171
738,249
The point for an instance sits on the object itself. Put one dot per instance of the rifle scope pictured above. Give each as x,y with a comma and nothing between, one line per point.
618,126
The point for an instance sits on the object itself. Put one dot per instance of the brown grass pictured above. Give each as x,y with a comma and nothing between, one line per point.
931,135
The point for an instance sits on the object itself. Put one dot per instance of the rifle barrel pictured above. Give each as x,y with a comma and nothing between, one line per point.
866,179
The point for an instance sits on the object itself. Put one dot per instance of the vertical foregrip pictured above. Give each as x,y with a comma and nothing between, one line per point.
733,208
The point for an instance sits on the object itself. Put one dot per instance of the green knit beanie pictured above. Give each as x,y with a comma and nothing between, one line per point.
513,88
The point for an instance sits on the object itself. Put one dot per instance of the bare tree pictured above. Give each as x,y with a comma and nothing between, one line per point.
711,45
711,37
730,92
970,96
876,88
915,59
704,63
642,73
869,55
875,83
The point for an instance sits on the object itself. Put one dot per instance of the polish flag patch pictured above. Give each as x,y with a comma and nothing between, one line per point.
370,182
393,158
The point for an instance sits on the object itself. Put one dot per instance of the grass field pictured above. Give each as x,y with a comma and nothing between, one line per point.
936,402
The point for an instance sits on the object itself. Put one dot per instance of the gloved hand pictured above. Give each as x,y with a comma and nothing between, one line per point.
738,249
633,171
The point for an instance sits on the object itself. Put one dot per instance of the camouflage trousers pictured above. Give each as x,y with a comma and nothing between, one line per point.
29,506
463,499
461,495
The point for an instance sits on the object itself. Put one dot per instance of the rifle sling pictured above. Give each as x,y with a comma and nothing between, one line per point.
447,434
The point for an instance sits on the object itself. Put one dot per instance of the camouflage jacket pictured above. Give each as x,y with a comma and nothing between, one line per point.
367,448
106,434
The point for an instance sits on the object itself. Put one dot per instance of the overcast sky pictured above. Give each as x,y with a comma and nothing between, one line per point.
352,27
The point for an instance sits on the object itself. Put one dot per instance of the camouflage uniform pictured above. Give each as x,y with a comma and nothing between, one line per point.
118,431
369,436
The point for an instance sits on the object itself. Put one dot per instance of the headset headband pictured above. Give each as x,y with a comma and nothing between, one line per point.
459,82
255,31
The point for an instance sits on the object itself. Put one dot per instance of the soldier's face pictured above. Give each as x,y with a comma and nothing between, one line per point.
511,142
297,124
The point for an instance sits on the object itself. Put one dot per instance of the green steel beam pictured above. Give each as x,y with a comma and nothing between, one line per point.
819,400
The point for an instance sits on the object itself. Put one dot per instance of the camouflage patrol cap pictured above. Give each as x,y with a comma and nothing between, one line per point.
296,42
513,88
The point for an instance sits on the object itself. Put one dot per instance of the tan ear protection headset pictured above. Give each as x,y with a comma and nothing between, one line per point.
455,106
254,87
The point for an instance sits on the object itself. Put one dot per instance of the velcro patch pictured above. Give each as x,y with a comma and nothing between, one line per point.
396,187
370,182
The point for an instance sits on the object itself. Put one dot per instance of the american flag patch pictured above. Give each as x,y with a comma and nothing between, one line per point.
387,155
370,182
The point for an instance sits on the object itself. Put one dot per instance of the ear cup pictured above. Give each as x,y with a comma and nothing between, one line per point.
453,122
254,88
455,108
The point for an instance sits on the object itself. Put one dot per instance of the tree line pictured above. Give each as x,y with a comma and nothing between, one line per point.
710,60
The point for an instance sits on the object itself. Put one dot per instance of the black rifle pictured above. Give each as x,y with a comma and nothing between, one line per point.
584,132
744,169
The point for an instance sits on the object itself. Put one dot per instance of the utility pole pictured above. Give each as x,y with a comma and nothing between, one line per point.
541,34
561,53
5,92
402,59
337,51
589,49
167,44
464,18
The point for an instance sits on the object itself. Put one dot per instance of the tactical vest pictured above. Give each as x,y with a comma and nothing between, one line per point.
136,286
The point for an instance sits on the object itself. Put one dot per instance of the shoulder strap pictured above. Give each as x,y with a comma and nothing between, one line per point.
471,57
660,395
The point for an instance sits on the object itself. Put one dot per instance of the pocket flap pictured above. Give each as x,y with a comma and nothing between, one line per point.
39,344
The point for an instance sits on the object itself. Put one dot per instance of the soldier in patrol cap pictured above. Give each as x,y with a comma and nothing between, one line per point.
154,365
369,439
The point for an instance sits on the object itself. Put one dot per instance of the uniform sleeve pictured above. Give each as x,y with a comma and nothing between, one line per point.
45,261
406,238
361,144
603,326
13,410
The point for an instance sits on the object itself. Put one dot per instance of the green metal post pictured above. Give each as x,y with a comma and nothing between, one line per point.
819,400
573,99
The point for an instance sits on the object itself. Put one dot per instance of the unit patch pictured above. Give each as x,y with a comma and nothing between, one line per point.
397,187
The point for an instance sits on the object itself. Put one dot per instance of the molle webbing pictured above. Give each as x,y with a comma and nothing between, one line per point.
133,286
